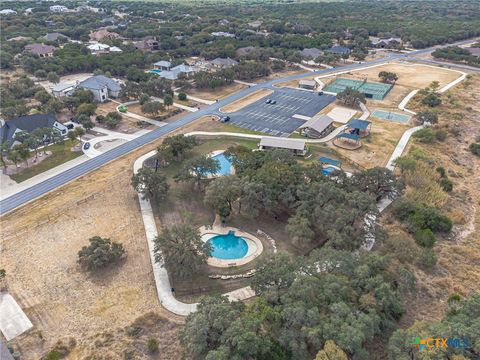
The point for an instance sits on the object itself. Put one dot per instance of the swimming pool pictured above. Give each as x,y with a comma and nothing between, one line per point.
155,71
327,170
225,164
228,246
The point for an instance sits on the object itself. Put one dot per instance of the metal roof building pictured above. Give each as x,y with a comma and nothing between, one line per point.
296,146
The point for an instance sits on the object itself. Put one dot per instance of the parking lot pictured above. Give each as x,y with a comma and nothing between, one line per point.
277,119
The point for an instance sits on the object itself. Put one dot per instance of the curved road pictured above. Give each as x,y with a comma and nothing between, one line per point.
60,179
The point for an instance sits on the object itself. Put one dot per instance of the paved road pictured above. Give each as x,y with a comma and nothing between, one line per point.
60,179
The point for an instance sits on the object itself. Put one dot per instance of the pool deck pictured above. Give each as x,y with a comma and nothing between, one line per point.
216,153
218,229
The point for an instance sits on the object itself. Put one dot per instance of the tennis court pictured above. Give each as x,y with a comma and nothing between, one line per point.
391,116
372,90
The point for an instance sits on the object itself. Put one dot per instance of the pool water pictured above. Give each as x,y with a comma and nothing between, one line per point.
225,164
328,170
155,71
228,247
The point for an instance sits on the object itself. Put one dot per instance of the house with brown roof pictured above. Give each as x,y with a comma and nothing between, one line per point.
147,44
103,34
40,49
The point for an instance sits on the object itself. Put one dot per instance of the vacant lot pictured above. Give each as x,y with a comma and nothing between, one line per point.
215,94
40,243
247,100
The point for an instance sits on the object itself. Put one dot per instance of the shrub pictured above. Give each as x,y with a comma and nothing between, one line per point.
425,238
53,355
425,135
152,345
143,99
432,100
420,216
441,171
440,135
454,298
427,258
475,148
446,184
100,253
100,119
182,96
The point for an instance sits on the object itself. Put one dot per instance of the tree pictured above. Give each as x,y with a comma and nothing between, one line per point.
84,96
182,96
405,163
181,250
378,181
152,185
43,96
475,148
179,144
53,77
112,119
144,98
351,97
168,100
164,155
72,135
86,109
198,169
432,100
71,103
53,106
23,152
388,77
4,149
85,121
100,253
331,351
41,74
427,117
222,193
14,156
152,107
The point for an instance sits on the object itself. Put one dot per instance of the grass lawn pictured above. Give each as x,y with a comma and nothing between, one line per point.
61,153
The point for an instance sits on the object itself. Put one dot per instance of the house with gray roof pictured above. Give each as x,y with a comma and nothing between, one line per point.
317,127
28,123
296,146
311,53
40,49
244,51
162,65
340,50
54,36
224,63
178,70
102,87
385,42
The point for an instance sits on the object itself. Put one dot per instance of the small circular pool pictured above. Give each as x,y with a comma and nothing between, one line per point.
228,246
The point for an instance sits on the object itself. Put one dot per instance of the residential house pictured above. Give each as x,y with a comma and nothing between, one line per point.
147,44
296,146
101,87
28,123
59,8
385,42
255,24
307,84
40,49
162,65
5,352
100,49
223,63
317,127
62,89
55,36
222,34
103,34
7,12
311,53
175,72
340,50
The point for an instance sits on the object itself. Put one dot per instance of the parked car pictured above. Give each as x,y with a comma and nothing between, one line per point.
86,146
273,102
70,126
320,93
225,119
268,101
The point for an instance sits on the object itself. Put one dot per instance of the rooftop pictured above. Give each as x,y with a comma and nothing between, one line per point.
358,124
318,123
40,49
224,62
99,82
311,52
26,123
291,144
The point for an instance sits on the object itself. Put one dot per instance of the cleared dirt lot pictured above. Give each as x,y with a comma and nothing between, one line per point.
40,242
247,100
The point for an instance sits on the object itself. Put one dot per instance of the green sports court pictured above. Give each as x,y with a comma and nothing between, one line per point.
372,90
391,116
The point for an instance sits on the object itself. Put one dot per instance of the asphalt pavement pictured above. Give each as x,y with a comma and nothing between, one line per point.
66,176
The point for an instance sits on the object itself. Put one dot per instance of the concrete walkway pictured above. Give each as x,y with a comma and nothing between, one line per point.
160,274
406,99
110,135
244,83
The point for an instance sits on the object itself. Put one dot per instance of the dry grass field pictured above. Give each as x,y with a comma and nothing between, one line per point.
246,100
40,242
216,94
458,254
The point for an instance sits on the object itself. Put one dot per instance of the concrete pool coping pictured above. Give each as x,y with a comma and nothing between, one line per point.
224,230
